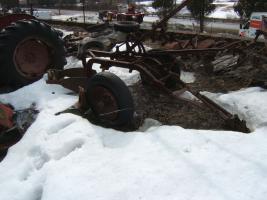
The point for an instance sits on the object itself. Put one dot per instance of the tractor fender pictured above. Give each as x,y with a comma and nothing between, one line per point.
6,117
8,19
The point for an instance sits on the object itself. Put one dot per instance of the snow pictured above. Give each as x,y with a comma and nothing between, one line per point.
224,9
40,94
65,157
65,33
187,77
224,12
248,103
146,3
89,18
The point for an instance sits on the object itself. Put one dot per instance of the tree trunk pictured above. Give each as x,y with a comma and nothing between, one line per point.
201,24
202,16
59,7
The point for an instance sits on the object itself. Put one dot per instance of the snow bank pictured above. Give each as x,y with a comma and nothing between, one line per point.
43,95
66,157
224,12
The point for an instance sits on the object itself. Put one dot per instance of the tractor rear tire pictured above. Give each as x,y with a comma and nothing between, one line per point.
110,100
28,48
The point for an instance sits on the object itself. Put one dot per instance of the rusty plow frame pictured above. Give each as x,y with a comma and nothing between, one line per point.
157,68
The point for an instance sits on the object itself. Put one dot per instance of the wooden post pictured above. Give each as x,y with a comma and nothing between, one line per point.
84,11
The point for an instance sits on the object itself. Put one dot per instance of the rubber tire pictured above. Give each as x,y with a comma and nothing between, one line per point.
93,45
126,26
12,35
120,91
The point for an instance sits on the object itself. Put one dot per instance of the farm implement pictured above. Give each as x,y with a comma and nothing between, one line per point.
158,68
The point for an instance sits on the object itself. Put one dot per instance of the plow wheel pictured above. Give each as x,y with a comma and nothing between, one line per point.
163,66
126,26
110,99
27,50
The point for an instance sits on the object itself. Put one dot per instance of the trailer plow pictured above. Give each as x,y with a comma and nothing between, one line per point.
160,67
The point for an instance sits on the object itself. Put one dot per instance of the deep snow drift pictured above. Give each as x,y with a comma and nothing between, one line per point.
65,157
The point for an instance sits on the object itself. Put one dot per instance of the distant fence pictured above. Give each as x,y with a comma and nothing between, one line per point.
79,6
207,19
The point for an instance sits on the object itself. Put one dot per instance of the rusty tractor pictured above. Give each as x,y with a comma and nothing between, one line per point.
28,48
130,15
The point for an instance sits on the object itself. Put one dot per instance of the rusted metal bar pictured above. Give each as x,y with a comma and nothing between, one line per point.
160,23
188,51
221,111
73,83
55,74
72,78
170,15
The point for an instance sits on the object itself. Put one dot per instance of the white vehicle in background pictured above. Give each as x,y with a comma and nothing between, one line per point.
255,23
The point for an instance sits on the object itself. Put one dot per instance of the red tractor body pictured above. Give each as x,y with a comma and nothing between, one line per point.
8,19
